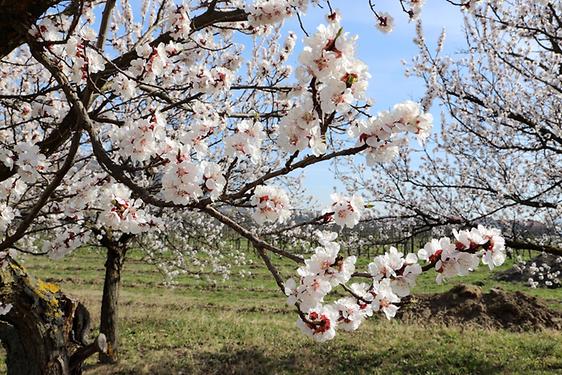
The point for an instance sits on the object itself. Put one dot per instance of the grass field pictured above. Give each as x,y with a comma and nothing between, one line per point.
243,326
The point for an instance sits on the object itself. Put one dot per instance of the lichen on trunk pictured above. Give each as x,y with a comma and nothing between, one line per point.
42,323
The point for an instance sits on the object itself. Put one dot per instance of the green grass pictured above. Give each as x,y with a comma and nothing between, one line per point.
243,326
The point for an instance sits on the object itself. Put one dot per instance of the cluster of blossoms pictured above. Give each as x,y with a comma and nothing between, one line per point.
141,139
300,129
328,58
542,274
124,213
84,60
205,122
392,276
272,204
97,205
336,79
246,142
7,214
65,242
180,23
182,180
266,12
401,272
28,158
81,58
380,133
153,62
211,81
345,211
463,255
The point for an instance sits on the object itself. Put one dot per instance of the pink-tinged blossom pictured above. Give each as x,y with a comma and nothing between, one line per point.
30,161
180,23
494,247
321,323
385,299
84,60
385,22
246,142
7,215
366,297
385,266
448,260
266,12
346,211
272,204
471,6
349,314
214,179
300,129
380,268
406,279
211,81
330,265
123,213
310,290
493,252
384,133
181,182
141,139
401,271
415,7
329,57
123,86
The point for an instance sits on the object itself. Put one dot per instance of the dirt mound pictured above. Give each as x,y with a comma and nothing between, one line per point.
468,305
545,270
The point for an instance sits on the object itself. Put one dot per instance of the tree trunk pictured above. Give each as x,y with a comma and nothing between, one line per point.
43,331
110,301
17,16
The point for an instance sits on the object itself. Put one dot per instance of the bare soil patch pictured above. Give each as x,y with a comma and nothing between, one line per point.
467,305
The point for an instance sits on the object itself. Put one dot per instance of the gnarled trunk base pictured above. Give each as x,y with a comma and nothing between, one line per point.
44,330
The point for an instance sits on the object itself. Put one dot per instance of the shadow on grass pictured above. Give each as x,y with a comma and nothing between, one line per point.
245,361
310,360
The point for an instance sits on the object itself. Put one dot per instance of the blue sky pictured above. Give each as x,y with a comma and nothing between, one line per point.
383,53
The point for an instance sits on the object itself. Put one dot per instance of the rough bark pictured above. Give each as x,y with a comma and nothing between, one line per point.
110,300
18,15
39,332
